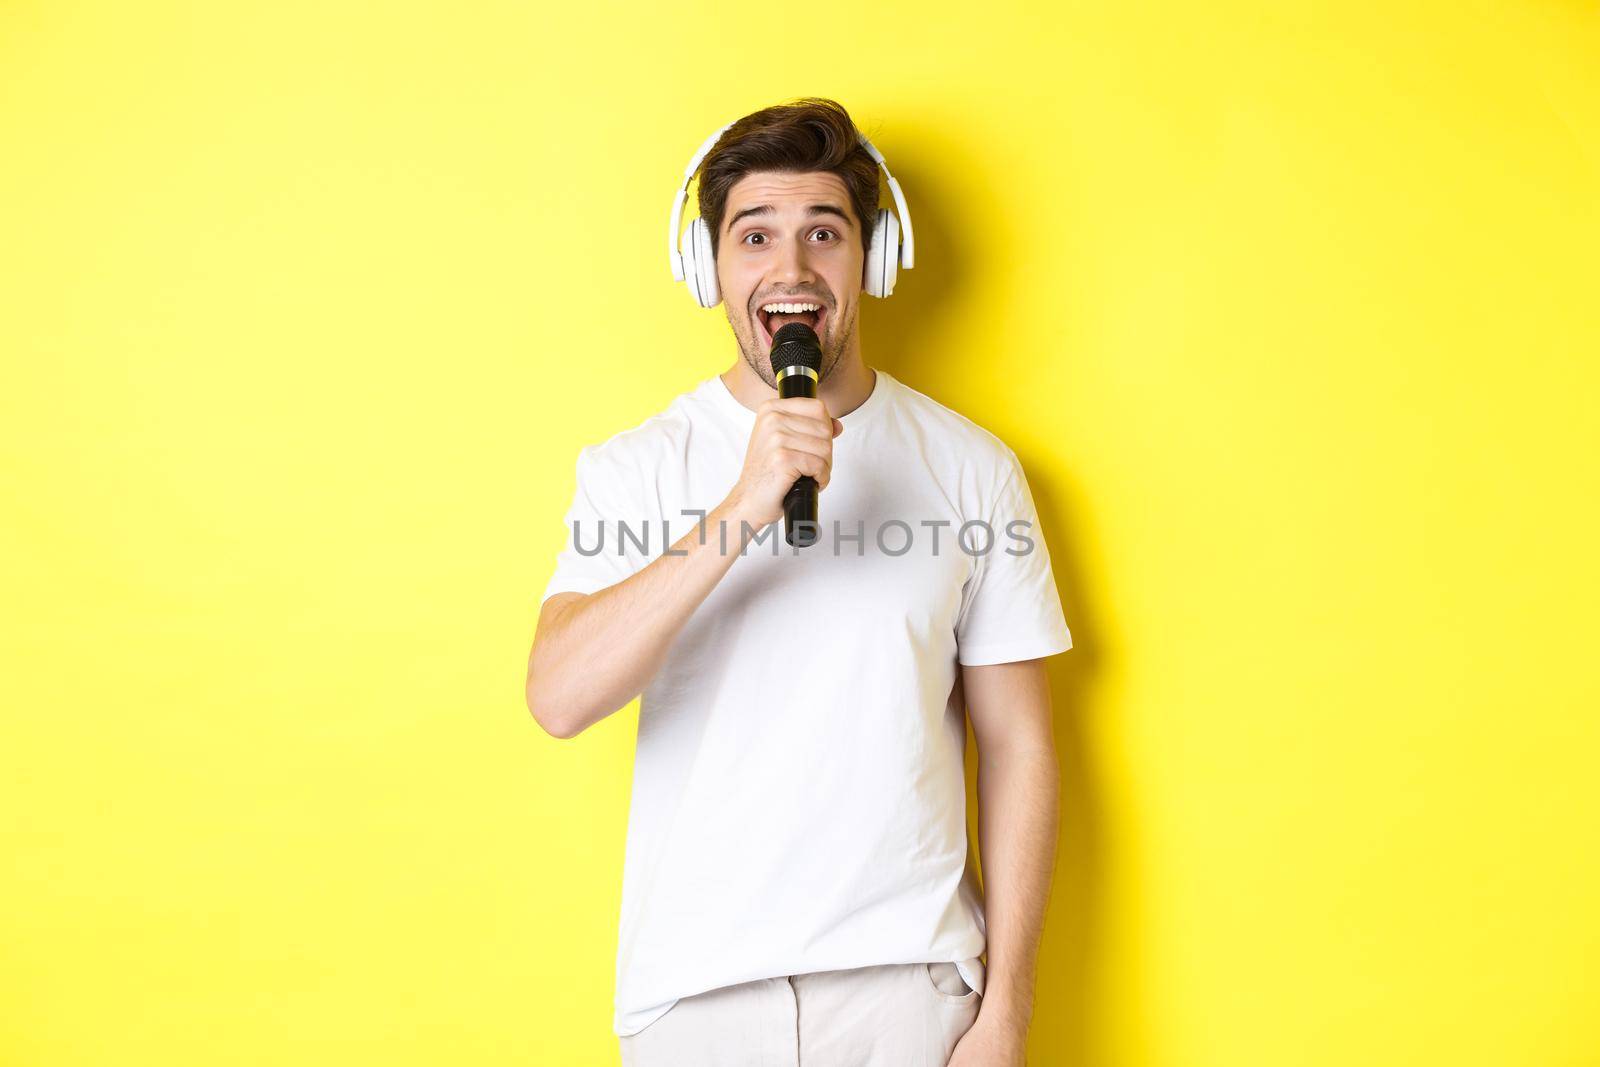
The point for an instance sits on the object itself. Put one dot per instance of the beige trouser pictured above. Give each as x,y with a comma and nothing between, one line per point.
895,1015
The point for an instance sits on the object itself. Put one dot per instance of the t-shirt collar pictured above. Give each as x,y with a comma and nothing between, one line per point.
724,399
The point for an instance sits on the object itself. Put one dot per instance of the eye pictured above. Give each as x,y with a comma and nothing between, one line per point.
750,235
824,230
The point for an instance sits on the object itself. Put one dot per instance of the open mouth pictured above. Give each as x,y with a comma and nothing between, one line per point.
774,315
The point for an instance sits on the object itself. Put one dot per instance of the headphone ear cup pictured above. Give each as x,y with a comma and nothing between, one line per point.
883,255
700,265
689,247
691,270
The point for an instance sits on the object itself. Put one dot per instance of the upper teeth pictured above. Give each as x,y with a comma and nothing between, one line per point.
790,309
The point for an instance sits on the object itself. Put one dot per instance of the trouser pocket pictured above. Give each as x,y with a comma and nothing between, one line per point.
944,979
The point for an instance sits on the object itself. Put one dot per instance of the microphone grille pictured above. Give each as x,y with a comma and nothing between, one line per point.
796,345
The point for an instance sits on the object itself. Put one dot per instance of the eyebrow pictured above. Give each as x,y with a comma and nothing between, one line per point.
768,209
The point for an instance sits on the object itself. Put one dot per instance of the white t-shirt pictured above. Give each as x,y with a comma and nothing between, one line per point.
799,799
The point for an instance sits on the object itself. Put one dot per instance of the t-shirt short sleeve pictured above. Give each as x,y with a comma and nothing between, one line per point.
597,554
1010,607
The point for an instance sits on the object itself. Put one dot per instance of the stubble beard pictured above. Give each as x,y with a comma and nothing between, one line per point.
760,361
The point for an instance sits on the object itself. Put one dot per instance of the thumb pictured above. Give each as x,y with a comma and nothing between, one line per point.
838,427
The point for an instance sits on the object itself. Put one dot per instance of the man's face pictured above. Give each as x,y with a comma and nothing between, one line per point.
790,238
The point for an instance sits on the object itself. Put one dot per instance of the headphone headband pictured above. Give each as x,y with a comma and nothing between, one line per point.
675,257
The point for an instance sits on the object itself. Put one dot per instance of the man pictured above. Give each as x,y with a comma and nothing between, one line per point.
798,887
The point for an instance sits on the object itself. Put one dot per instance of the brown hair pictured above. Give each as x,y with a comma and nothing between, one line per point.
812,133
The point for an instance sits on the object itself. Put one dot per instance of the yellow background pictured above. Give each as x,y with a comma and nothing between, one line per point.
305,309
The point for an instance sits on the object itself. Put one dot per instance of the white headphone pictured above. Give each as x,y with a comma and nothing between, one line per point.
695,265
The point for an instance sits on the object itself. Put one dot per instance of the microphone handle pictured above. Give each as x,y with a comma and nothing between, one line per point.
800,502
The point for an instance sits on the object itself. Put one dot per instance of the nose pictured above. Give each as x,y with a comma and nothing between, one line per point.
794,264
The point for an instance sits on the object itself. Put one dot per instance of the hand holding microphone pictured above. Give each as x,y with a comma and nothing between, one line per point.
790,455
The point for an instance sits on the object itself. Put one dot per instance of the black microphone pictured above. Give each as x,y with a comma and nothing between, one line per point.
796,364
